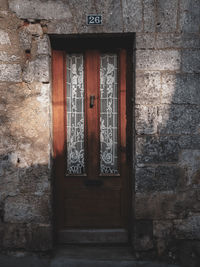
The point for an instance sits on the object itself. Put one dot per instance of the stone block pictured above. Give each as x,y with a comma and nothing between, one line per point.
188,252
189,161
162,229
34,237
191,61
187,228
4,38
177,40
178,119
189,16
40,237
161,178
34,28
43,45
166,205
153,150
10,73
143,235
34,180
44,95
15,236
80,11
180,89
148,88
61,27
39,9
112,15
149,15
158,60
145,119
167,16
145,41
3,4
132,15
190,142
5,57
25,39
26,208
37,70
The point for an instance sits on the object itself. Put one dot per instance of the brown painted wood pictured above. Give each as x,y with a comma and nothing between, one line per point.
79,205
58,97
92,61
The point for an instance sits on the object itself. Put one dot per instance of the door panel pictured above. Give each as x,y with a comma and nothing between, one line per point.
90,147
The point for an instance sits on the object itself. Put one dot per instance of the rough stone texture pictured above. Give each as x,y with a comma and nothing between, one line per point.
148,88
189,161
158,60
37,70
180,89
143,235
189,142
132,15
25,39
63,27
178,119
5,57
145,120
27,236
10,73
189,15
191,61
166,205
112,15
188,228
161,178
161,229
150,149
4,38
39,9
166,15
149,19
177,40
145,41
43,46
26,209
3,4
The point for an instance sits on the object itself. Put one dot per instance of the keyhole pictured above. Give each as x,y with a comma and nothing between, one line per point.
92,98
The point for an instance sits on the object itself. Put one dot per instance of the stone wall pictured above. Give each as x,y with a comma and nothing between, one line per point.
167,119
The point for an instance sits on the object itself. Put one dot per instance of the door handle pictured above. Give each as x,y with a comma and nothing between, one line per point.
92,98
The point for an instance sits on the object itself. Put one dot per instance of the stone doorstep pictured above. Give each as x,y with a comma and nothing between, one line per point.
79,256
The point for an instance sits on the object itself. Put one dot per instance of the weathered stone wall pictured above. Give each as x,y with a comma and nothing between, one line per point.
25,190
167,118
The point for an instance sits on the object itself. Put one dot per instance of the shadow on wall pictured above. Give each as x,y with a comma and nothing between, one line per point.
167,181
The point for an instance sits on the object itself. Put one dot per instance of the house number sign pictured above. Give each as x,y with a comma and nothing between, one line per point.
94,20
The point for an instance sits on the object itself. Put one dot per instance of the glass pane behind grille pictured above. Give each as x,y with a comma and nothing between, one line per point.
75,114
108,114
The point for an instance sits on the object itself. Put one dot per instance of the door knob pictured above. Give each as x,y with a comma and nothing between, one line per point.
92,98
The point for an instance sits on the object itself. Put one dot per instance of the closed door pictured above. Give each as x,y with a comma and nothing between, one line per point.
90,144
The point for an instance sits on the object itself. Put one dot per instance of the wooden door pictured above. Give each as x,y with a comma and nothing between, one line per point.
92,191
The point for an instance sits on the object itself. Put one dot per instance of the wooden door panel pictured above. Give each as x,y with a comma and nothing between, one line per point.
89,199
92,113
93,208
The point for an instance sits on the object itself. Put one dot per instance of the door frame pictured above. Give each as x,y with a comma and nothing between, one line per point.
105,41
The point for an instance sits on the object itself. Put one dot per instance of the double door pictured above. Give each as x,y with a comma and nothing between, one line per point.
92,190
